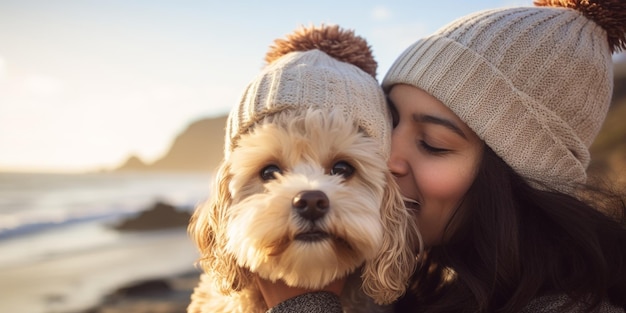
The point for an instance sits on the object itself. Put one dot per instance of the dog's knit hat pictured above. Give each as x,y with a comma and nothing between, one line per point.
534,83
315,67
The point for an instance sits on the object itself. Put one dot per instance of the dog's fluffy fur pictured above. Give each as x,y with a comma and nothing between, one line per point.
250,224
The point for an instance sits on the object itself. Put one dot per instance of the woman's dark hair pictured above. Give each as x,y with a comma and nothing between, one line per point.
509,243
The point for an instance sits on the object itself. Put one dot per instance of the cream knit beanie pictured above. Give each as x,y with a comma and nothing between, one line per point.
534,83
320,68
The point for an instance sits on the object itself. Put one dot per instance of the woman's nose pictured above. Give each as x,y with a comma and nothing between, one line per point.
397,163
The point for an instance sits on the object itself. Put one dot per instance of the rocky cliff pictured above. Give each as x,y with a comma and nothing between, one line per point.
198,148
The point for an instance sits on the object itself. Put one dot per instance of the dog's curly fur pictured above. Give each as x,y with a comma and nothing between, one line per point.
251,224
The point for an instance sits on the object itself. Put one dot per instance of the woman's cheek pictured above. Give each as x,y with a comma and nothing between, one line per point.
446,182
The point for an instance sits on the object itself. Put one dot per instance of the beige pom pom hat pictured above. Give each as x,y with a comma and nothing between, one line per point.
315,67
535,83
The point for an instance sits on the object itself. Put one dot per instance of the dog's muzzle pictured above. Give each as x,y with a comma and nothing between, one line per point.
311,205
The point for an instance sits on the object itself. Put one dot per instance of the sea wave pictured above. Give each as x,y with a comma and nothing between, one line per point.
33,203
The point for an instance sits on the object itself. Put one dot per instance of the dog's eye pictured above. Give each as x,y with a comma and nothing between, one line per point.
342,168
269,172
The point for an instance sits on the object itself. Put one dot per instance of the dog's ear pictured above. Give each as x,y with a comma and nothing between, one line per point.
207,228
386,276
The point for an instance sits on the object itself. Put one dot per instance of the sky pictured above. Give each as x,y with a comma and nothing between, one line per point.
86,83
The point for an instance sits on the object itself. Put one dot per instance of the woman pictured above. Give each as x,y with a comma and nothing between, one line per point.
493,118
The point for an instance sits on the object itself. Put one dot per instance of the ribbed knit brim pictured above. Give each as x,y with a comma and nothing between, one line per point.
312,80
533,83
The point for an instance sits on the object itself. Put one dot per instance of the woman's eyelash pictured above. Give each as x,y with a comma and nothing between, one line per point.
431,149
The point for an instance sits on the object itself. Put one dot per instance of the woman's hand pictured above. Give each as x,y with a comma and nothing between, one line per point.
277,292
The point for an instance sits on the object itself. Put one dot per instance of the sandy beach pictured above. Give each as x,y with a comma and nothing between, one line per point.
97,242
93,280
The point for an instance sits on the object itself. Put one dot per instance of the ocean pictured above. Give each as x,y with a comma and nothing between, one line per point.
55,232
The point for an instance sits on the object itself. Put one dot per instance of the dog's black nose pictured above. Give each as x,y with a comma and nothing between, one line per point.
311,204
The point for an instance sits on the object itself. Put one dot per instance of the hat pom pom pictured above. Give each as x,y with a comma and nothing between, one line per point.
338,43
609,14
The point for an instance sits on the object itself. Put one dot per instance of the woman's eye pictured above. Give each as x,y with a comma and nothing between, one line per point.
342,168
432,149
269,172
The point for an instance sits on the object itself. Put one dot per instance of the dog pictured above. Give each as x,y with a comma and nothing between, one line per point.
305,198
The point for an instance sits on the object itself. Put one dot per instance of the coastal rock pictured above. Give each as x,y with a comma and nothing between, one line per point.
196,149
159,295
147,288
160,216
133,163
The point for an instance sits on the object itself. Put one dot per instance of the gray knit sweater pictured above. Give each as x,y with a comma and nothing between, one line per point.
316,302
554,304
329,303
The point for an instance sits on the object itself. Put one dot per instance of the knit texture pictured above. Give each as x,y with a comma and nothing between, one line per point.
328,302
534,83
315,302
560,304
312,79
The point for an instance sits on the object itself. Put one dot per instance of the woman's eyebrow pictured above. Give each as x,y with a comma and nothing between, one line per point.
424,118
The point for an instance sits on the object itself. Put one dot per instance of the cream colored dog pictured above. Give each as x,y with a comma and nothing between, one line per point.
304,198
